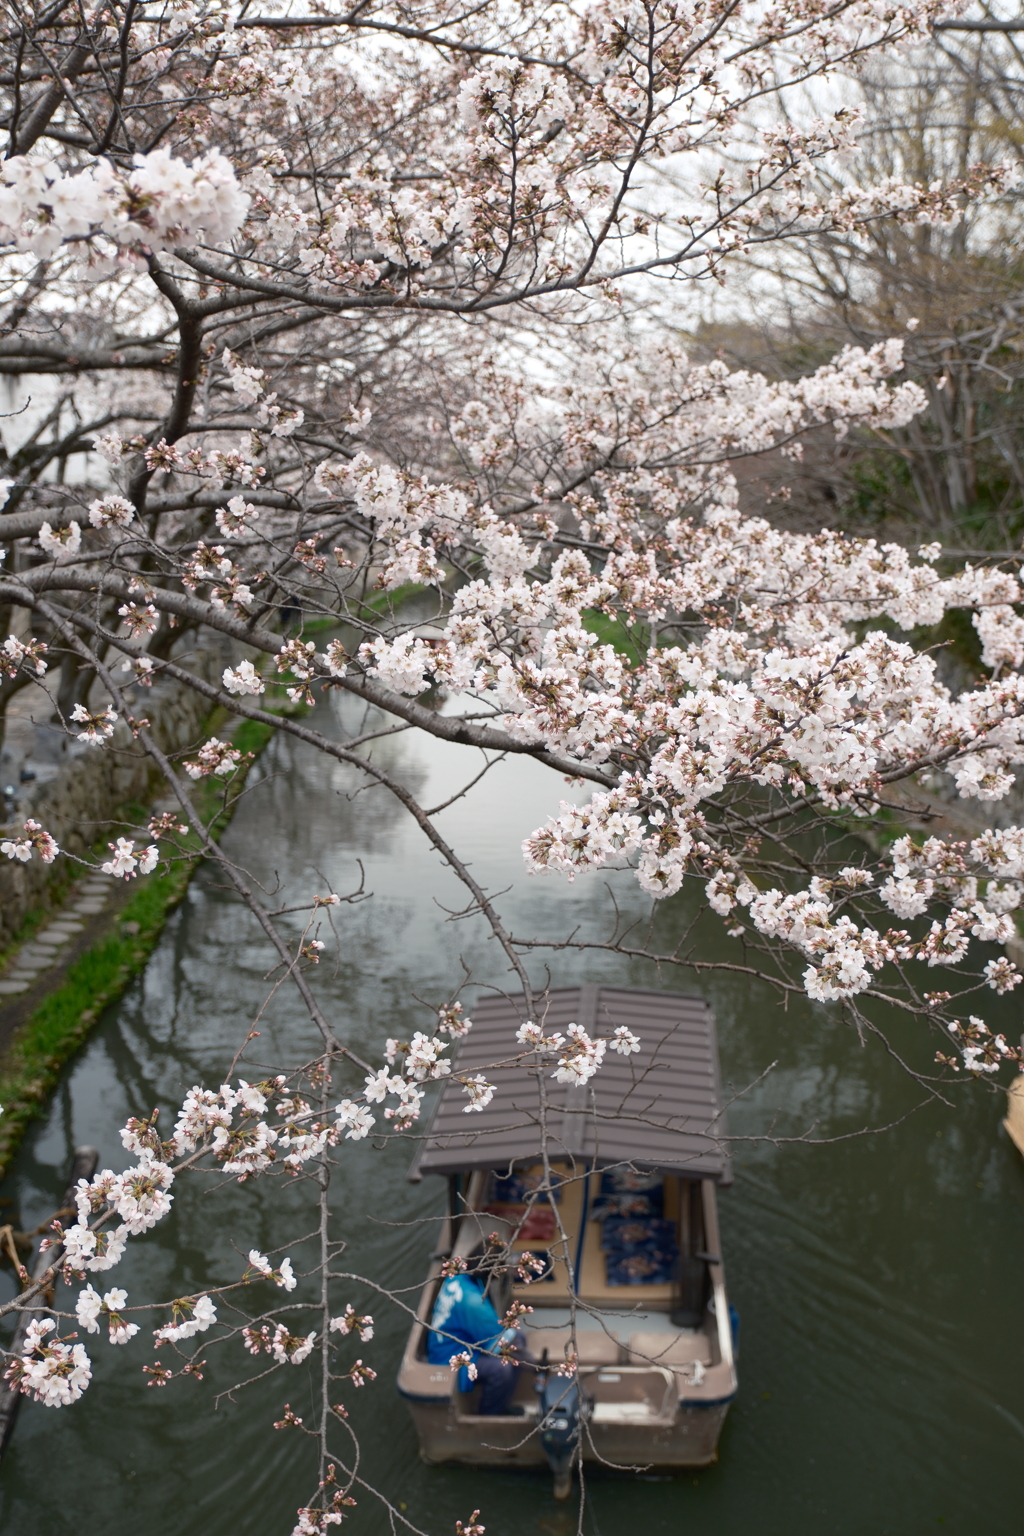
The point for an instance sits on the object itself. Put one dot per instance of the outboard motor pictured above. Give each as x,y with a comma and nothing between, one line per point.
562,1407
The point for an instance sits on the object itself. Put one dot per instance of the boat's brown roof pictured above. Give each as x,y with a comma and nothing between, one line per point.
659,1108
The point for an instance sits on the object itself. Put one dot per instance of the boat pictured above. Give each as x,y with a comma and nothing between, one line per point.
1014,1122
632,1343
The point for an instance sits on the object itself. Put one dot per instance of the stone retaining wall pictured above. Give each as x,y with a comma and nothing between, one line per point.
78,805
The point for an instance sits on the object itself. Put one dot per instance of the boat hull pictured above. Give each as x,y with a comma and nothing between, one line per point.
445,1436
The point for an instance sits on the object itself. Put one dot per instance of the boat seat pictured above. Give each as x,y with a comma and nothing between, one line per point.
593,1346
670,1350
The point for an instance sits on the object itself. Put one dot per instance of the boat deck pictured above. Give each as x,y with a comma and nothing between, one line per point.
657,1376
576,1239
614,1324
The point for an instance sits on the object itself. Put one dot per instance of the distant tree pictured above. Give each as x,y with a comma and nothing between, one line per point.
956,293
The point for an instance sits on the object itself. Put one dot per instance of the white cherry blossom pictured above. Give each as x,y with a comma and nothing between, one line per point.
98,725
624,1041
126,860
352,1322
54,1373
111,512
34,839
60,541
243,679
479,1091
355,1120
192,1315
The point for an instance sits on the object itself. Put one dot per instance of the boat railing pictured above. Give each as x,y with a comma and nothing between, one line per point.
620,1394
719,1304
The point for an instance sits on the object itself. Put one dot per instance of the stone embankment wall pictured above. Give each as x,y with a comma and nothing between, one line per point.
79,804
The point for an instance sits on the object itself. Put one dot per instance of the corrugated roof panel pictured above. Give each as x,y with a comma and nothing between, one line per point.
659,1108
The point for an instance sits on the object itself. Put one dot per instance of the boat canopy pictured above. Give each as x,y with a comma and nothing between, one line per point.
658,1109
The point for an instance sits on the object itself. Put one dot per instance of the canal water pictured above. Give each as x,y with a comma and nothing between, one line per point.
879,1278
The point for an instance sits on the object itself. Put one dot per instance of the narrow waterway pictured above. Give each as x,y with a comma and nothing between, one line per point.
880,1279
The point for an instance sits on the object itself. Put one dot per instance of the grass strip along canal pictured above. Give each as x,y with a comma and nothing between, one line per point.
51,1000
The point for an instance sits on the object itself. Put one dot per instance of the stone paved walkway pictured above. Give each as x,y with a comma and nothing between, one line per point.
88,900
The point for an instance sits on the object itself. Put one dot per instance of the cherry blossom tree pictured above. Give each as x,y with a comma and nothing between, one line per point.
336,307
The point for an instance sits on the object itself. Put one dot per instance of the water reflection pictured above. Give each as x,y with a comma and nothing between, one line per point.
879,1279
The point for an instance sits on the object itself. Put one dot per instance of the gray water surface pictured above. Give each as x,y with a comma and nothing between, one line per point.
879,1279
